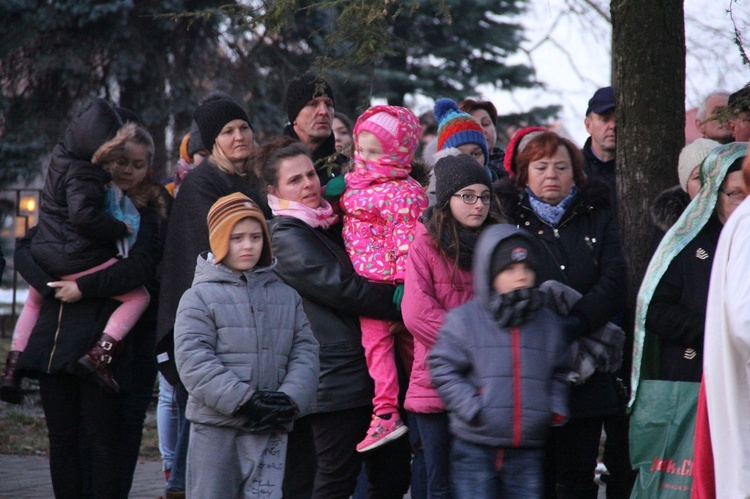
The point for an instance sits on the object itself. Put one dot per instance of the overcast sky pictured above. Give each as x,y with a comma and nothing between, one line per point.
571,55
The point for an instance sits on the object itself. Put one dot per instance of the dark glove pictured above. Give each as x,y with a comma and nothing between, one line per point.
334,188
572,326
398,295
266,407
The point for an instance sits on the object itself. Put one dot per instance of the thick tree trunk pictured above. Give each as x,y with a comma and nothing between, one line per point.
649,67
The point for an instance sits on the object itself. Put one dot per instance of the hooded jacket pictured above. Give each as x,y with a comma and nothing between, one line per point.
382,206
240,332
501,384
75,233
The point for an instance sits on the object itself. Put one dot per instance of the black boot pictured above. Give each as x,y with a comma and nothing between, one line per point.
10,386
98,361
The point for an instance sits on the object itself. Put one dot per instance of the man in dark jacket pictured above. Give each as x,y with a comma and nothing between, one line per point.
599,149
310,106
599,161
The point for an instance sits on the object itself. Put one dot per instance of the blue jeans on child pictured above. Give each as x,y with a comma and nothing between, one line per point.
484,472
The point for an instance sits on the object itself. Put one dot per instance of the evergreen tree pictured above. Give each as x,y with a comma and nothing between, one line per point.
56,54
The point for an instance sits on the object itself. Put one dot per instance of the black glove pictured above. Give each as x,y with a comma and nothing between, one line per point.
266,407
572,326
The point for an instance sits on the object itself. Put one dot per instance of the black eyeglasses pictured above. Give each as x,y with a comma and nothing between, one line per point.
472,198
735,197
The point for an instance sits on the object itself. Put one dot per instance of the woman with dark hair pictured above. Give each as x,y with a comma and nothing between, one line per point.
573,219
485,113
438,278
342,129
322,460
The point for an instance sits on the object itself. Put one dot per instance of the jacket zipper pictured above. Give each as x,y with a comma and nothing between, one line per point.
515,341
54,342
561,225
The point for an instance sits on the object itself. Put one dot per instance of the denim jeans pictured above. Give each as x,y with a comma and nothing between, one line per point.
179,463
436,444
484,472
166,422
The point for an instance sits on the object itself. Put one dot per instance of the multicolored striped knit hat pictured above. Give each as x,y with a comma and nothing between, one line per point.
456,128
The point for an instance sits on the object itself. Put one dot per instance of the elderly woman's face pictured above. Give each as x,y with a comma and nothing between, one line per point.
297,181
730,196
551,178
236,140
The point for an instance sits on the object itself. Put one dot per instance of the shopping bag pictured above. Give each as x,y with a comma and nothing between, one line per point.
662,431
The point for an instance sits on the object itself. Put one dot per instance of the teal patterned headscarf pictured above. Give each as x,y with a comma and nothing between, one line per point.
690,223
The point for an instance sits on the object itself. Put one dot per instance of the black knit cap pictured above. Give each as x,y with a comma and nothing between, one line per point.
453,173
195,143
304,89
212,116
514,249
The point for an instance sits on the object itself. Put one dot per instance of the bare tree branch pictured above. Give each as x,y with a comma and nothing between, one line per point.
738,35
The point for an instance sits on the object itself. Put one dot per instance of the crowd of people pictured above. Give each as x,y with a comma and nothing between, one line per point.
359,309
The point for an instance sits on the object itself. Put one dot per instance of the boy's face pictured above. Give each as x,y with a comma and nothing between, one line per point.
245,245
515,276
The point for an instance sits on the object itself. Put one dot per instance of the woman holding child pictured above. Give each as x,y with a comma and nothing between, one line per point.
95,434
307,241
570,215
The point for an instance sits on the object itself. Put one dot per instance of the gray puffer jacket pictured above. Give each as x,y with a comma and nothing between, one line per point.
501,384
237,333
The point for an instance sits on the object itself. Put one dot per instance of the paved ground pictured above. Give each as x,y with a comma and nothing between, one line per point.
26,477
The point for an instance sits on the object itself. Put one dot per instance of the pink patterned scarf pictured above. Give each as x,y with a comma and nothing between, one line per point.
314,217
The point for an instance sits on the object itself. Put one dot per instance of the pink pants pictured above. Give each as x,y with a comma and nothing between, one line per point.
381,339
122,320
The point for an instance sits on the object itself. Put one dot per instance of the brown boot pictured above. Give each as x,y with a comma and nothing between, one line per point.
10,386
98,361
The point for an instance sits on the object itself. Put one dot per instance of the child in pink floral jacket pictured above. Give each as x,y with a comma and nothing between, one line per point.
381,206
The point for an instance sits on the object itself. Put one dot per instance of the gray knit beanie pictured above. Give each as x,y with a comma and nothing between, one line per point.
454,172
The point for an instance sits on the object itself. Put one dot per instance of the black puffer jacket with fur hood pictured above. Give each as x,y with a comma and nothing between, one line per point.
75,233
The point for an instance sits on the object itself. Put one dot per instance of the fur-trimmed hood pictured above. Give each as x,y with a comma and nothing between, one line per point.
596,193
668,206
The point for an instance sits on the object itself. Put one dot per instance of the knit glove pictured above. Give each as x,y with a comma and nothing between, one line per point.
398,295
334,188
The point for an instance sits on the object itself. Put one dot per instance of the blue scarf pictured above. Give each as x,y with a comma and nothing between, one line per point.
551,214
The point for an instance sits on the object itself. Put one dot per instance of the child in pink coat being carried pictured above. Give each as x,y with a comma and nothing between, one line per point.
382,205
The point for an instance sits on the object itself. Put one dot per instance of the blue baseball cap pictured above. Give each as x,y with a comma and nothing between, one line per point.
602,101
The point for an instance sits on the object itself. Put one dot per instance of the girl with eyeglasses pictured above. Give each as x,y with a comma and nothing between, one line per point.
438,278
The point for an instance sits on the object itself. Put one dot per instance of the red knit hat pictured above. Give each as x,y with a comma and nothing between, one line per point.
512,150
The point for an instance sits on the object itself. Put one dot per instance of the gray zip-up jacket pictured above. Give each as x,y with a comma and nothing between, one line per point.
237,333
